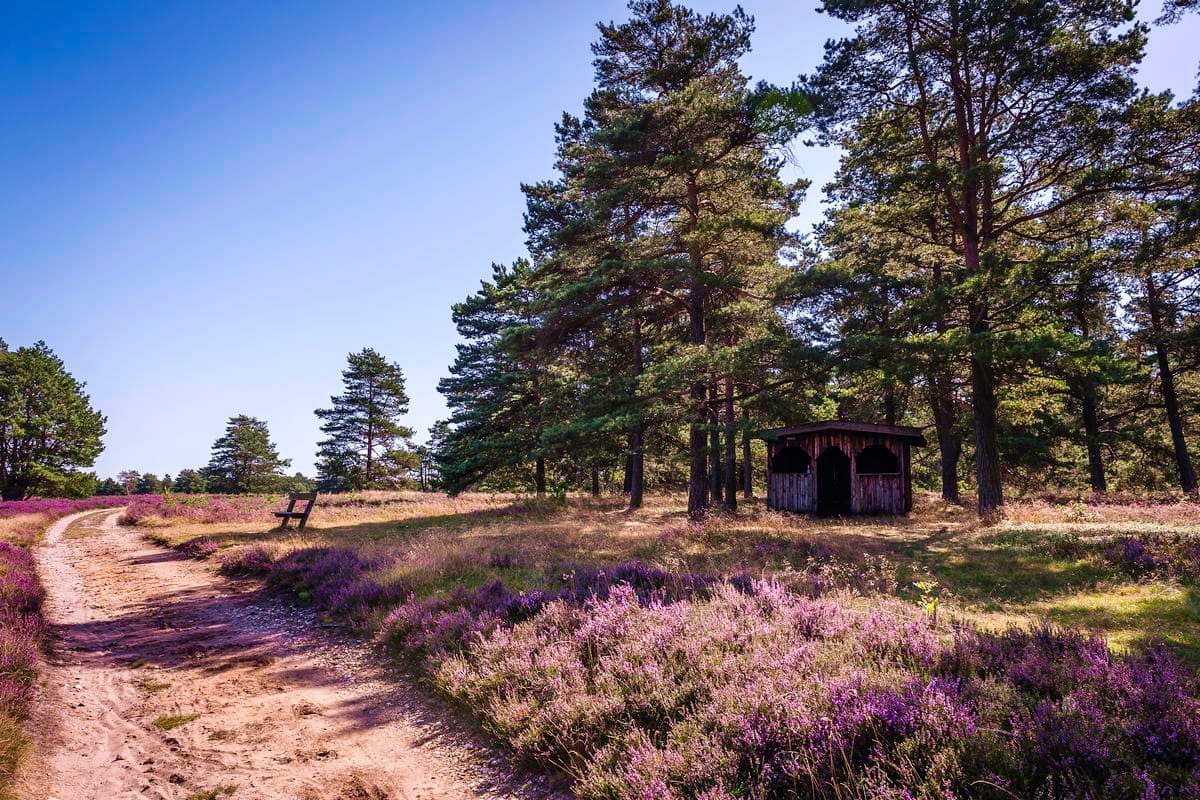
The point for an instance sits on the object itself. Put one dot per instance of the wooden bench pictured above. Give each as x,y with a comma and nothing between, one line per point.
309,498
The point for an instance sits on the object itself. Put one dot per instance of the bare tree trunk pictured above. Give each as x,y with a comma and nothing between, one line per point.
730,478
1091,430
539,476
945,423
635,474
697,488
697,438
637,479
1166,379
987,450
747,461
595,481
714,444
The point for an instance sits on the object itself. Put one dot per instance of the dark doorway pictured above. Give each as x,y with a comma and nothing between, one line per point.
833,482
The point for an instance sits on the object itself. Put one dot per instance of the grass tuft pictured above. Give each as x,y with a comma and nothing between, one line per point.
214,793
170,722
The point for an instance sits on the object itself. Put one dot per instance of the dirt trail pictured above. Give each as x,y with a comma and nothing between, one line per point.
281,709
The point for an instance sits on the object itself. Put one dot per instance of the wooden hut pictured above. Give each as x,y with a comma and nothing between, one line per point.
840,467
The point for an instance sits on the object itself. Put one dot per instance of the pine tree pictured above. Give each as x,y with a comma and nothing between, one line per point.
148,484
244,459
499,387
189,481
128,478
996,117
48,429
681,159
109,488
367,444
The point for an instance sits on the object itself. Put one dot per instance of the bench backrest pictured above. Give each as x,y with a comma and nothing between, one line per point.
310,498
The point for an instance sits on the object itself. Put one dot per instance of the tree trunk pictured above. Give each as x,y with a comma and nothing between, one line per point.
539,476
595,481
949,442
987,450
747,461
1091,429
730,478
1166,378
714,445
627,482
634,475
637,482
697,444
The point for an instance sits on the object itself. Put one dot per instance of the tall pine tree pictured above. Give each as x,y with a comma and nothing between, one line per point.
367,445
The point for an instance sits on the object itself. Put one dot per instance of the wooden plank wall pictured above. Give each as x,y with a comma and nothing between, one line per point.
869,494
792,492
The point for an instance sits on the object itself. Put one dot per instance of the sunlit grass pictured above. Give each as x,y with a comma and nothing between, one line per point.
1045,561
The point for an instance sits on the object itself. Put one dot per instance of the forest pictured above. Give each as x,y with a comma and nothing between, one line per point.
1008,260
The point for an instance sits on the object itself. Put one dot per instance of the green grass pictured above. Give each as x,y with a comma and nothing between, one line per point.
214,793
150,687
137,663
170,722
1015,576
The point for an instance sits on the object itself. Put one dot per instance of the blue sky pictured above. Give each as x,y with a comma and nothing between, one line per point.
205,206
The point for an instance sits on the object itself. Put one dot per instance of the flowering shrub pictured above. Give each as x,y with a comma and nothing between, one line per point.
640,682
21,627
201,547
55,507
335,580
247,561
202,508
1166,555
773,694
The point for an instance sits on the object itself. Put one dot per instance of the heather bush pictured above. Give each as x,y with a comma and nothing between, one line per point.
201,547
336,580
55,507
251,560
1157,554
773,694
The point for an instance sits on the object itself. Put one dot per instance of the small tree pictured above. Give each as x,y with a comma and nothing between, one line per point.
366,445
245,460
48,428
149,484
128,478
189,481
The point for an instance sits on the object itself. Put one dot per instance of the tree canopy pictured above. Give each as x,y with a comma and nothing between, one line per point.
48,428
366,444
244,459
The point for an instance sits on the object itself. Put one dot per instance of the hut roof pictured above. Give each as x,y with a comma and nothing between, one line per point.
901,432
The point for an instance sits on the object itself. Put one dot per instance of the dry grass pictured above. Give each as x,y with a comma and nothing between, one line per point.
994,576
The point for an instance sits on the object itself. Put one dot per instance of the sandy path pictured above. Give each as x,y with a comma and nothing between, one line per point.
283,710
